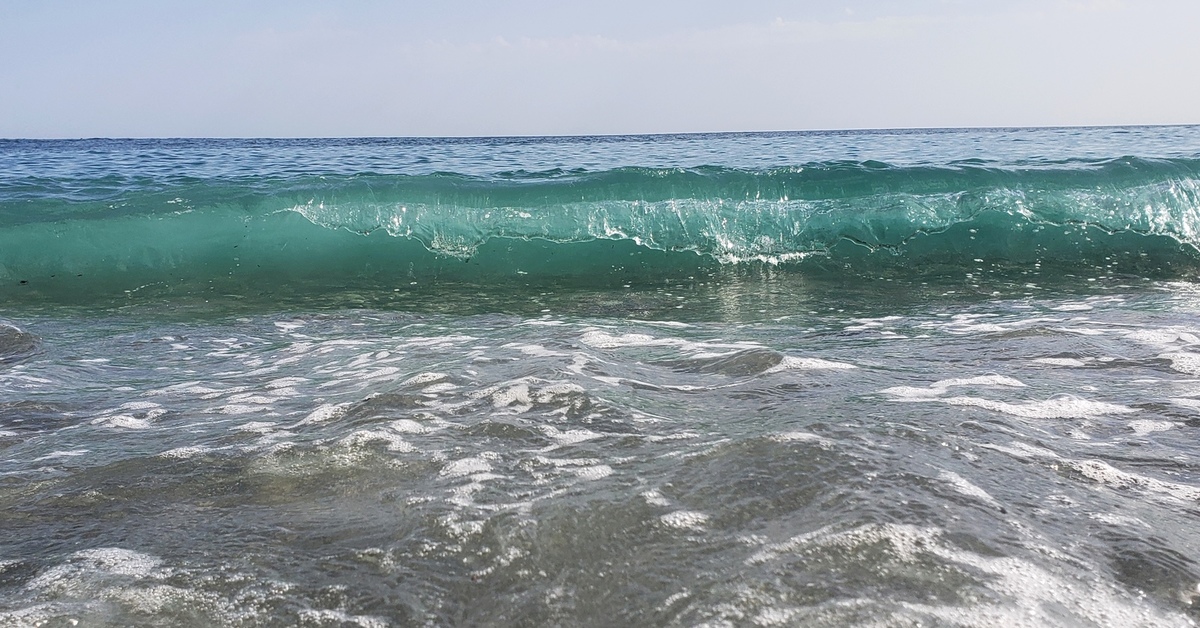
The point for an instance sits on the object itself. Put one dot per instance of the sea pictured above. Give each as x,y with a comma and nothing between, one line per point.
844,378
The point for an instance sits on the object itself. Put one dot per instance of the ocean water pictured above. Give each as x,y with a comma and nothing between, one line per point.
886,378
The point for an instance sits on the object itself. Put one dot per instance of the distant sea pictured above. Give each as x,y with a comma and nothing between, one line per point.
893,378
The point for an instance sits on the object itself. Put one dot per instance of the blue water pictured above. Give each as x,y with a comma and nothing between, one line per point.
934,377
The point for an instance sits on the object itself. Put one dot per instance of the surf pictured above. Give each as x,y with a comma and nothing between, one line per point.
109,235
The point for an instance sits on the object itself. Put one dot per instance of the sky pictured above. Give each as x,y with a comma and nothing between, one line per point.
306,68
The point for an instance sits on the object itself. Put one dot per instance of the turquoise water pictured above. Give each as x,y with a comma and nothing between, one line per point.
889,377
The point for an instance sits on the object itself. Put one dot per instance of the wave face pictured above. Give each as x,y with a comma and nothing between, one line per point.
107,228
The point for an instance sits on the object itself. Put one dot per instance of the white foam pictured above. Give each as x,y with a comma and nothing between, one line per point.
808,364
673,324
383,372
975,328
775,616
542,322
88,564
140,405
466,466
791,437
913,393
982,380
709,355
436,341
344,342
123,421
193,388
252,398
961,485
325,616
1030,595
1023,451
602,340
286,382
568,437
537,351
941,387
1184,362
547,394
423,378
1184,402
772,551
35,616
655,498
684,519
62,454
184,452
1083,331
594,472
241,408
673,598
1064,407
258,427
392,440
1070,362
1024,594
1109,475
1120,520
323,413
516,395
409,426
1143,427
906,541
1163,338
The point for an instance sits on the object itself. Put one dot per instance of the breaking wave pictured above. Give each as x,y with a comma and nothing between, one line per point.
1124,215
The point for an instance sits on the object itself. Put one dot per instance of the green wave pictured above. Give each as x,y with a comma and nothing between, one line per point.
77,238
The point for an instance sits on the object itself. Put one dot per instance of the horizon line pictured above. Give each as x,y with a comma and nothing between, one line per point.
604,135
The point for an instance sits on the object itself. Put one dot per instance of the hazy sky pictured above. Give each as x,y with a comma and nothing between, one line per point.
144,68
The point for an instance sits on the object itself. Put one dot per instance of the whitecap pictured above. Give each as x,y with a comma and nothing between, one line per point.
466,466
1064,407
1069,362
684,519
594,472
123,421
655,498
392,440
340,618
1184,362
808,364
941,387
423,378
1109,475
323,413
568,437
1143,427
90,563
788,437
184,452
961,485
286,382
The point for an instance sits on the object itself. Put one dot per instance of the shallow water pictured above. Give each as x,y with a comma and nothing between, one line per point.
1019,460
749,446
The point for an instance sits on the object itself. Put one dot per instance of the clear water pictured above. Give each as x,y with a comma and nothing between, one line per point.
997,442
